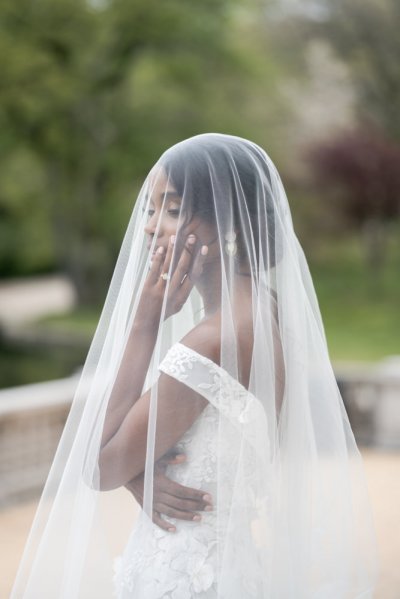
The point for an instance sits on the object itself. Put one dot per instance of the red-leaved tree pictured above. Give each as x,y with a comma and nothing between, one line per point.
362,169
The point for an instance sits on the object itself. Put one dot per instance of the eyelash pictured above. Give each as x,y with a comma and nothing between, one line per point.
173,211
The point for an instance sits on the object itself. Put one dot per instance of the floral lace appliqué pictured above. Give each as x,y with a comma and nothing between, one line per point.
157,564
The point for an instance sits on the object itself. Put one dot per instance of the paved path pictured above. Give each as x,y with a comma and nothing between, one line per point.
30,298
383,474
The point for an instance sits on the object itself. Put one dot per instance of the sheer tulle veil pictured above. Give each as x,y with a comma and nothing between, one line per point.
291,514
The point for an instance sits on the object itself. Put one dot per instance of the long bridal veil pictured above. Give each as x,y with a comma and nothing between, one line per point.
292,512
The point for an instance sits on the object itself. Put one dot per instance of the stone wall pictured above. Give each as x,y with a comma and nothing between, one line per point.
32,418
372,399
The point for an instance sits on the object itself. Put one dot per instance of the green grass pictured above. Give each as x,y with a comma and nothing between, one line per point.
360,308
22,365
81,320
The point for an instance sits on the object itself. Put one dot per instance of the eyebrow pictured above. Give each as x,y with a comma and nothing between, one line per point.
165,194
169,193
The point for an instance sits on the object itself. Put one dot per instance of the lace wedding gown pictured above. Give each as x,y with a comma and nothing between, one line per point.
158,564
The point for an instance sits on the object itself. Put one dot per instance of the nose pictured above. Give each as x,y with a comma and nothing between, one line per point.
151,225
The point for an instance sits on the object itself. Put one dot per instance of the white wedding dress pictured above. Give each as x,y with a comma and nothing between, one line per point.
158,564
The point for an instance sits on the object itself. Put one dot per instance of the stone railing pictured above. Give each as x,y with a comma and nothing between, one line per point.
32,418
372,399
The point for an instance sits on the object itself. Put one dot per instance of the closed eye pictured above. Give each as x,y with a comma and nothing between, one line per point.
174,212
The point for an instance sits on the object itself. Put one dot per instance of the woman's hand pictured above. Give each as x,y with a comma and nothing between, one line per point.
169,497
186,267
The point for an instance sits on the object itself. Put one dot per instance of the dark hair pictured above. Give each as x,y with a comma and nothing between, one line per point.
223,180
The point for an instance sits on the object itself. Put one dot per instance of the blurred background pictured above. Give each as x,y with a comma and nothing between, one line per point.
91,93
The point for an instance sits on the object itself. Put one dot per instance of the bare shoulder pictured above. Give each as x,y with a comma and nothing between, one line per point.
205,338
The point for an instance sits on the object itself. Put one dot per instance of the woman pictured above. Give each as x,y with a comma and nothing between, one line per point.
210,345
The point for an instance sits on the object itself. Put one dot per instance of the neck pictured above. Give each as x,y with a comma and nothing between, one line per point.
209,286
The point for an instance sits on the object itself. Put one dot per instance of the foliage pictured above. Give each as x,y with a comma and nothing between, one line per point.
361,170
367,168
91,94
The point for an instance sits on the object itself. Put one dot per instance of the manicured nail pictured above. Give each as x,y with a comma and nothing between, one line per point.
207,497
171,529
204,250
172,239
160,250
191,239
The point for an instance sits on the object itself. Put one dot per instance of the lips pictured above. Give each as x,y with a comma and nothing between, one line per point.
155,249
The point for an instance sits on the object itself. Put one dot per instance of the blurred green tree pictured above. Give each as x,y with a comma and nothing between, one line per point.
91,94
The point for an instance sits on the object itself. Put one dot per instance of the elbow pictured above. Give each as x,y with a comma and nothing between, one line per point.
108,475
113,473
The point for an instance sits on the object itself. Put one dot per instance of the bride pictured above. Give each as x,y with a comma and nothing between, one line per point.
207,393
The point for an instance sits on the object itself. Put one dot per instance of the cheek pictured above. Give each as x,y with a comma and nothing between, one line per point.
205,232
168,223
171,226
189,229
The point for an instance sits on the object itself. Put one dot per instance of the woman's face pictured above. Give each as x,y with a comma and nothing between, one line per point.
164,212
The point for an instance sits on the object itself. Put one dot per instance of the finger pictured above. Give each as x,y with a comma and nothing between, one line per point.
172,513
172,458
178,459
173,488
184,260
163,523
197,267
168,257
195,270
184,505
156,265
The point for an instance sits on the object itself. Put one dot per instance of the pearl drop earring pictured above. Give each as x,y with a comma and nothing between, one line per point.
230,245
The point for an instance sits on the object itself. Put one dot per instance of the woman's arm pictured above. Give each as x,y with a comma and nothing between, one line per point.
124,456
131,376
134,365
178,406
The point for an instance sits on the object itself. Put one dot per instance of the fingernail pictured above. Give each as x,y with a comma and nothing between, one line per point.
172,239
171,529
160,250
204,250
207,497
191,239
208,508
197,518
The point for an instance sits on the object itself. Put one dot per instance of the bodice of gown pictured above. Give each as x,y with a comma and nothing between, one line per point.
227,439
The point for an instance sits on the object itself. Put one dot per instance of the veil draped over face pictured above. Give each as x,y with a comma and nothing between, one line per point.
222,356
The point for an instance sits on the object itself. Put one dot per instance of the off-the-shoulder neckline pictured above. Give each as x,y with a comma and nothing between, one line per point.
217,367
